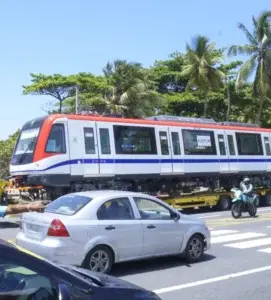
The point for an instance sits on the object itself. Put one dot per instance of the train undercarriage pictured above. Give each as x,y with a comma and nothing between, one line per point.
184,193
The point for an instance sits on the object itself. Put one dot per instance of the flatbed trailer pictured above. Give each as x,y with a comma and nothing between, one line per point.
220,200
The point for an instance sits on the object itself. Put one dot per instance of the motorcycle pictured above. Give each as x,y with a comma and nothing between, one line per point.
242,203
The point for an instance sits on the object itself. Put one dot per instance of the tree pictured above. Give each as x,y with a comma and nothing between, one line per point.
230,75
132,91
201,67
6,149
166,74
259,62
63,87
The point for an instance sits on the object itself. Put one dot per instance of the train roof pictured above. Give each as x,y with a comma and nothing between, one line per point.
206,123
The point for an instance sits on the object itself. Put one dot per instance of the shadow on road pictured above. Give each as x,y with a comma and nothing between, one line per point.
4,225
133,268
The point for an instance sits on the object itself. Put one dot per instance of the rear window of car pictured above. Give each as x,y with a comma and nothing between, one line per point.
68,205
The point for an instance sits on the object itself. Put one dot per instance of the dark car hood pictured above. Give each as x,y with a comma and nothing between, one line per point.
102,279
120,289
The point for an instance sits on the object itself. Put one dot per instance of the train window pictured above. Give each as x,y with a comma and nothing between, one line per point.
267,146
249,143
105,141
199,142
231,145
134,140
89,140
56,141
221,143
164,142
176,143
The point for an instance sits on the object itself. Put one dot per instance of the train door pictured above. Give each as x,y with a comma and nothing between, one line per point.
176,146
106,148
83,154
267,150
164,150
91,156
232,148
76,147
222,151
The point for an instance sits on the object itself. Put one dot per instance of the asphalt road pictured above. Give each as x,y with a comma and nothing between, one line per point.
238,266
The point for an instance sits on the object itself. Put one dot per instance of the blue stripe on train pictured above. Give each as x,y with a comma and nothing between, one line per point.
150,161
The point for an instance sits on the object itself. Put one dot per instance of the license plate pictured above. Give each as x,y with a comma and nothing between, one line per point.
32,227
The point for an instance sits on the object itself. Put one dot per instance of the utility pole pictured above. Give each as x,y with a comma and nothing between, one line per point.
77,104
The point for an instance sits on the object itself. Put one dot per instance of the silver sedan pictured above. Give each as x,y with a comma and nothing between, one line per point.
99,228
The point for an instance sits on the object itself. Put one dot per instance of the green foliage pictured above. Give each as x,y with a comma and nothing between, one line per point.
201,69
6,149
259,61
63,87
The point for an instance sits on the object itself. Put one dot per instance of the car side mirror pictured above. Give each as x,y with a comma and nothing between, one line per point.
175,216
64,293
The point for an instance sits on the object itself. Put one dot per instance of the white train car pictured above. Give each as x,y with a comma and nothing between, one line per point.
162,153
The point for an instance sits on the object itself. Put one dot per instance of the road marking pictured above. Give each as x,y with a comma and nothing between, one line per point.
212,216
235,237
211,280
264,209
250,244
220,232
266,250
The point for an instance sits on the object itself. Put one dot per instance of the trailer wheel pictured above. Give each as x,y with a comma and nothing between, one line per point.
267,199
224,203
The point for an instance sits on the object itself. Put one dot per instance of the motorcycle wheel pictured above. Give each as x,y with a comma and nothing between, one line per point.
236,210
252,209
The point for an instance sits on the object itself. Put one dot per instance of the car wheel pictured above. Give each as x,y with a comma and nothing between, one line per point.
99,259
194,248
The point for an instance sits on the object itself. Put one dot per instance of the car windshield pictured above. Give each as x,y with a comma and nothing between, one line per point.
26,141
68,204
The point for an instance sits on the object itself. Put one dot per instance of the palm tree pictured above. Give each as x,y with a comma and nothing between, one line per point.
131,90
201,67
259,62
230,77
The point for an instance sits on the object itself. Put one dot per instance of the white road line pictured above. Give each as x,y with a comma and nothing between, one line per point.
266,250
264,209
211,280
220,232
207,217
250,244
235,237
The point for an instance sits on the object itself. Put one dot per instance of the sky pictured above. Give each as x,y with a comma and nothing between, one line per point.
67,37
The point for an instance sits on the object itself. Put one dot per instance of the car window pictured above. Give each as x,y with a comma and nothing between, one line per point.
150,209
24,282
68,204
116,209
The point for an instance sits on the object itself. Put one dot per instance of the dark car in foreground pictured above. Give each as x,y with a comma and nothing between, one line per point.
26,276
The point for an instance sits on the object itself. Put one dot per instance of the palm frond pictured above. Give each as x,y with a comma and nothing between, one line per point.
245,71
252,39
241,50
263,25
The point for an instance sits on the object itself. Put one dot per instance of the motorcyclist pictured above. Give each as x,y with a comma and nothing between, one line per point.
246,187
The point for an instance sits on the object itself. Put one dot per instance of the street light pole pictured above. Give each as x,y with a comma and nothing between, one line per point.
77,99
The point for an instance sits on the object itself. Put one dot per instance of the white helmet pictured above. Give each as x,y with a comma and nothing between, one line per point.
246,180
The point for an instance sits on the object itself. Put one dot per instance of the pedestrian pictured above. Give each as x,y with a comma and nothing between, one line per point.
37,206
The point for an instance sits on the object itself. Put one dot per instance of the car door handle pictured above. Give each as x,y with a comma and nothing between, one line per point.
151,226
110,227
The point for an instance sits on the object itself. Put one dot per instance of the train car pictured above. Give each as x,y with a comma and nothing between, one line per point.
159,155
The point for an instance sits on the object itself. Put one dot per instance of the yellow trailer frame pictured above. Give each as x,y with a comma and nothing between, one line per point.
210,199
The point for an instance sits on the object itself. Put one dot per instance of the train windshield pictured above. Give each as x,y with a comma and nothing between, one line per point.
27,141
